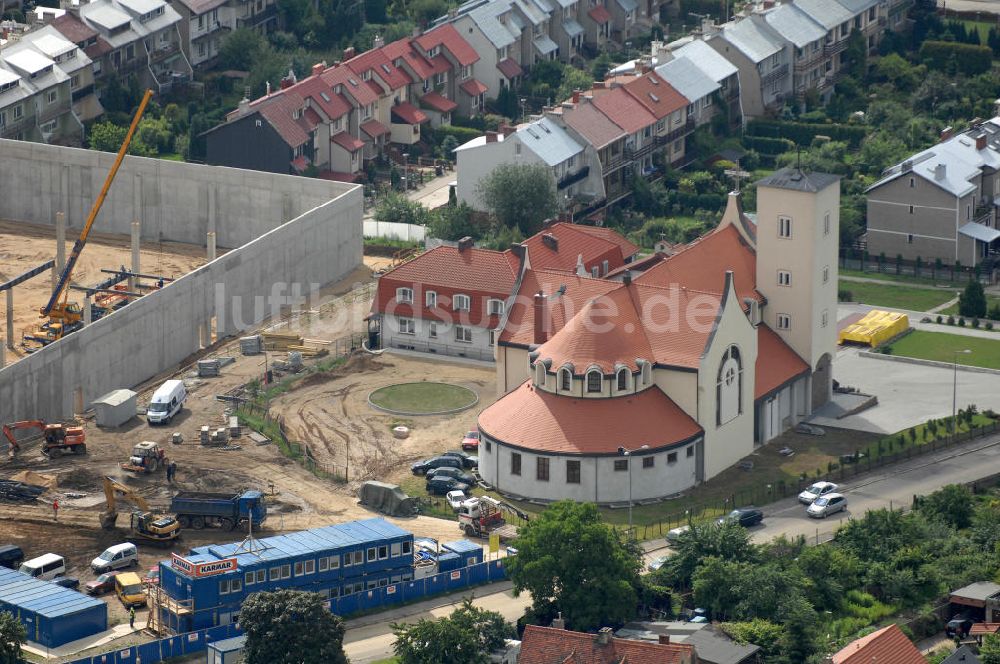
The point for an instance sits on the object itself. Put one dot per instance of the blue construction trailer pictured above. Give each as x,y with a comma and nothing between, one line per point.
52,615
207,586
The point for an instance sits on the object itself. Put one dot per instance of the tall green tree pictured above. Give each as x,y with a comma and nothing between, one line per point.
12,635
520,196
972,301
467,636
573,562
291,627
726,541
989,653
951,504
108,137
241,48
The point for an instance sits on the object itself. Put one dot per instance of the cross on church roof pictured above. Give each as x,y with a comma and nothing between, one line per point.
736,174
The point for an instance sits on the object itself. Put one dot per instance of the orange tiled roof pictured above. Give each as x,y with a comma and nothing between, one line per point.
480,270
547,645
776,362
886,646
572,243
702,264
628,248
656,95
447,36
544,422
622,109
984,628
600,14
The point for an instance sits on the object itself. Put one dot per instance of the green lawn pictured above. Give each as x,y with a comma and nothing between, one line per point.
953,309
982,26
896,297
903,278
417,398
941,347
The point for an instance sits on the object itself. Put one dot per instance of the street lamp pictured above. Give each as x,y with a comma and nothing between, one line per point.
954,390
625,452
406,171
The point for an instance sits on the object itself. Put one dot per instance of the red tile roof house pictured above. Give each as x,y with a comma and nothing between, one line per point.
689,362
551,645
451,300
886,646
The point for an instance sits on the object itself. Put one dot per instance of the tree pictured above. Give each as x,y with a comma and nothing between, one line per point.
12,635
972,301
799,640
291,627
829,572
520,195
573,79
108,137
398,208
763,633
453,222
951,504
570,559
989,652
240,49
727,541
715,585
467,636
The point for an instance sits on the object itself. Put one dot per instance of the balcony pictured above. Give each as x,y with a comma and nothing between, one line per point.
210,29
51,112
774,75
983,215
573,178
678,132
633,154
13,127
829,50
263,16
163,52
809,61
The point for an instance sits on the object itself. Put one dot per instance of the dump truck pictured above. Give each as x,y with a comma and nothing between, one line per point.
483,516
196,509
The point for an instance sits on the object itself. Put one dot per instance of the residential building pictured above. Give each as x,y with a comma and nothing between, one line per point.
693,361
588,124
963,655
764,62
575,168
868,16
810,61
555,645
86,38
36,93
566,29
711,644
941,203
204,25
716,67
670,108
452,300
489,27
836,20
597,23
888,644
144,40
694,84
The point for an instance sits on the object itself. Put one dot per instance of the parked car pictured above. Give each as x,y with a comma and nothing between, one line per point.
455,499
457,473
468,460
960,624
744,516
674,534
815,491
102,584
442,485
116,557
11,556
471,441
427,465
152,577
657,563
826,505
67,582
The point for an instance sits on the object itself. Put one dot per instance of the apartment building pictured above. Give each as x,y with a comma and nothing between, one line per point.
836,20
35,93
941,203
763,59
810,62
203,26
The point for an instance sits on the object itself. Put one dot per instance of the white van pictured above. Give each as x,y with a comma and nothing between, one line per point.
45,567
167,401
115,557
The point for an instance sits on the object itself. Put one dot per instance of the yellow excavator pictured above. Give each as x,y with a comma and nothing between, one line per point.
144,523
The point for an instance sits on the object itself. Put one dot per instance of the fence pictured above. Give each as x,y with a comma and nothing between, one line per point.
368,600
765,493
393,230
909,269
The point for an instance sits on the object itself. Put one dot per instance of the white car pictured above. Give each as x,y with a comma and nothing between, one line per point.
455,499
815,491
674,534
826,505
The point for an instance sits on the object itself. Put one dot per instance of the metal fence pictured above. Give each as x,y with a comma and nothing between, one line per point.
889,266
393,230
764,493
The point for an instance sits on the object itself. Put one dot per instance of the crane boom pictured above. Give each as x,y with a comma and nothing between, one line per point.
82,240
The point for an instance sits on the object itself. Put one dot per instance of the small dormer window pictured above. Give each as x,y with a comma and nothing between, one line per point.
565,380
622,380
594,380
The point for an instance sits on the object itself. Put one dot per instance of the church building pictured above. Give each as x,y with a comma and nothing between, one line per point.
659,375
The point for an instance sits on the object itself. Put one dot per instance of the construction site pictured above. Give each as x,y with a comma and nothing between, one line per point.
244,287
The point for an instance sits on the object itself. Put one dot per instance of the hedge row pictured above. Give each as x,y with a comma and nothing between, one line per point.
969,58
803,133
768,146
461,134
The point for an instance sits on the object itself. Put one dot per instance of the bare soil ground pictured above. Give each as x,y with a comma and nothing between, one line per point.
326,410
24,246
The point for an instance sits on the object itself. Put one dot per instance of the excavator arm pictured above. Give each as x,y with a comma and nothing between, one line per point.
113,490
10,428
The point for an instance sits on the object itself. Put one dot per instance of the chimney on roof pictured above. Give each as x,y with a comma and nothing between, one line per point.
378,41
581,269
627,279
598,85
541,315
604,636
267,89
288,81
576,96
348,53
506,130
996,107
491,137
464,244
940,171
664,639
708,26
550,241
317,69
416,32
981,141
947,133
519,250
768,4
558,622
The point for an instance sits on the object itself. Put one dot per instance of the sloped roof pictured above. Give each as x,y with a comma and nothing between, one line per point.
73,28
570,246
547,645
509,68
374,128
599,14
753,40
486,19
886,646
776,362
277,110
656,95
623,109
858,6
794,25
435,101
382,65
351,83
796,179
473,87
687,78
549,141
603,232
707,59
409,113
447,36
593,125
481,270
828,14
348,142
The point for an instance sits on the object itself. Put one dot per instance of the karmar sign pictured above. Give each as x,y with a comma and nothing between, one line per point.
188,568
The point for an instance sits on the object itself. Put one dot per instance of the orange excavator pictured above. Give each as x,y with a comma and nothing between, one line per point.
57,437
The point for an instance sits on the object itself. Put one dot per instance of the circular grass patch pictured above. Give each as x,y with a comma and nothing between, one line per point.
423,398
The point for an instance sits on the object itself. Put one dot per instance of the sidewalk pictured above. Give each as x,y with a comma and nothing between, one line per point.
434,193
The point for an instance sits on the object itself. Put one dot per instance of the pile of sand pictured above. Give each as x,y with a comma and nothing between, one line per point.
35,479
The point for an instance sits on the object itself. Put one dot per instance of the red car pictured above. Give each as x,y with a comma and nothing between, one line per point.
471,441
102,584
152,577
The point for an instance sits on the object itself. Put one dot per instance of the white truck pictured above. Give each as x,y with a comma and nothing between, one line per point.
167,401
483,516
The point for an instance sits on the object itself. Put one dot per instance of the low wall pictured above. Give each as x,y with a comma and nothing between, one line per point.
155,333
392,230
172,200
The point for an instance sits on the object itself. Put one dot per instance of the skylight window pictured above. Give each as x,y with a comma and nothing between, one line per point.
325,96
654,97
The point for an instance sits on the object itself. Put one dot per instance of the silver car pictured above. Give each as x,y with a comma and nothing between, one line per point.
826,505
815,491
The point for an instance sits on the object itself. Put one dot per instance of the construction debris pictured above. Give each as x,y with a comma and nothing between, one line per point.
19,492
234,427
35,479
259,439
280,341
204,434
251,345
177,438
208,367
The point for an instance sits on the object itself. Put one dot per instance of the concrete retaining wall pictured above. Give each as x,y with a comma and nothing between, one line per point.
238,290
176,201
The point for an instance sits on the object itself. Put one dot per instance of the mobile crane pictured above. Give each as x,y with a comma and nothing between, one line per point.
144,523
66,317
58,438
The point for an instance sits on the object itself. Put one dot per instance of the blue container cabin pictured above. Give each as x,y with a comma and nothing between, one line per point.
333,560
52,615
470,552
448,561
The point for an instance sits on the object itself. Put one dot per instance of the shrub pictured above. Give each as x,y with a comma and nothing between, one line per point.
989,325
994,312
975,322
961,322
970,59
845,296
951,320
940,319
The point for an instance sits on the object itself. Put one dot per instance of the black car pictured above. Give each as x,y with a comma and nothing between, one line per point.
11,556
67,582
427,465
459,475
442,484
745,516
960,624
468,460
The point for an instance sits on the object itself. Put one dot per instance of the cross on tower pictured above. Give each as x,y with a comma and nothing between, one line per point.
736,174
